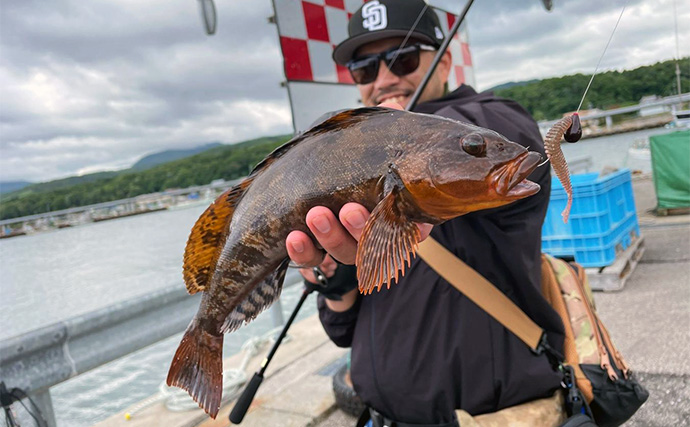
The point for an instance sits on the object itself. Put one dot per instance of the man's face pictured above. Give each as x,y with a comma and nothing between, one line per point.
389,87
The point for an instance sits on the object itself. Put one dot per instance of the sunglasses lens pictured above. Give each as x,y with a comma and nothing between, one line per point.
401,62
364,71
406,62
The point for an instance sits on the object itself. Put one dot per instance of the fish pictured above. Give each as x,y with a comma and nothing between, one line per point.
568,127
404,167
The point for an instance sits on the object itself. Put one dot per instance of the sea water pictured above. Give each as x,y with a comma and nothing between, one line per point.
51,276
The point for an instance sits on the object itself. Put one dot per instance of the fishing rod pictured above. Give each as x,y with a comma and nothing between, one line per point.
245,400
437,58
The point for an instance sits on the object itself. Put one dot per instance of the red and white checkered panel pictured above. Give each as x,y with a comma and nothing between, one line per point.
310,29
462,71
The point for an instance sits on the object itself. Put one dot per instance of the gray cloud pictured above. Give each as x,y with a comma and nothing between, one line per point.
510,43
95,85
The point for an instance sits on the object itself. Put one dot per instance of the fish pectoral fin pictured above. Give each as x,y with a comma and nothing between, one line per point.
207,238
388,240
262,296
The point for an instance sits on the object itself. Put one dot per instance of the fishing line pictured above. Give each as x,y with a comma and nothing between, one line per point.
602,56
596,69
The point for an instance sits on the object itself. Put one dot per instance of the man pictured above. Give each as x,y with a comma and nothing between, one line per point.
421,350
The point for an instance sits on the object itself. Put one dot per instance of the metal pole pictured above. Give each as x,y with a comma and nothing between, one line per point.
45,404
277,314
437,59
287,82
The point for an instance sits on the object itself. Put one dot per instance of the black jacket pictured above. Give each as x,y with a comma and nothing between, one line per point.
421,349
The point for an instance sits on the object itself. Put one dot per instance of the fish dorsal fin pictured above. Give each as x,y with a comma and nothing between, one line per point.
263,295
207,238
346,118
388,240
338,121
274,155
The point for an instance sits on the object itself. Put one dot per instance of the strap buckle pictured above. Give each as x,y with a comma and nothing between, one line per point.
554,356
574,402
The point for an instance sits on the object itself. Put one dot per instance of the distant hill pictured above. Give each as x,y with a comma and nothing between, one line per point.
67,182
221,162
144,163
169,155
512,84
550,98
10,186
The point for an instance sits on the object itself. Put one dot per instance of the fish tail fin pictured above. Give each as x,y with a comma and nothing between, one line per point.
198,368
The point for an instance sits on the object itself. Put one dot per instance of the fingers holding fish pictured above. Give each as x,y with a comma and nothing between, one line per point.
333,236
302,250
425,229
353,216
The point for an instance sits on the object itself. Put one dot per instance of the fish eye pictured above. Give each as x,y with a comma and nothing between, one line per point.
474,144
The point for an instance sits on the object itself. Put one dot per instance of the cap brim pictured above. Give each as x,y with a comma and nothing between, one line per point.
346,50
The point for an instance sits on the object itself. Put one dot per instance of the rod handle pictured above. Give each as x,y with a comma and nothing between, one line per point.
242,404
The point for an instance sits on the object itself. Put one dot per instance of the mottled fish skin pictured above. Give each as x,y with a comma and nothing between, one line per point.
552,146
347,158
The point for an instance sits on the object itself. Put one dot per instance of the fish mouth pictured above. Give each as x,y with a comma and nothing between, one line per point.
510,179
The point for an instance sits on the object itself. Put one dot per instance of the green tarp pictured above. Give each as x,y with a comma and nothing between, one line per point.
671,169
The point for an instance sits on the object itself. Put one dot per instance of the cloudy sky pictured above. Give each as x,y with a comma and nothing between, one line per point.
95,85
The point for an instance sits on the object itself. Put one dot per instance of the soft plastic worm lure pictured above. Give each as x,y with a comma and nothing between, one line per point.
569,128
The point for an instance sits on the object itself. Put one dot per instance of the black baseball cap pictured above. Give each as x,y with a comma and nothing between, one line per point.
381,19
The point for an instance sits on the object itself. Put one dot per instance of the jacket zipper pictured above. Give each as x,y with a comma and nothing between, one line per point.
622,365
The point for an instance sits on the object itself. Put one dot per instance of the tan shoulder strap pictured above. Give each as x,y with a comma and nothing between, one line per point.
480,291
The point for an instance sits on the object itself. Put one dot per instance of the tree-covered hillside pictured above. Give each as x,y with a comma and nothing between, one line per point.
550,98
224,162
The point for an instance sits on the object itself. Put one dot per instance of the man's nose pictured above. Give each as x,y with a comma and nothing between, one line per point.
385,77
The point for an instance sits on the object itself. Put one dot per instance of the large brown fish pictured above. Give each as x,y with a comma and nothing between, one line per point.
403,167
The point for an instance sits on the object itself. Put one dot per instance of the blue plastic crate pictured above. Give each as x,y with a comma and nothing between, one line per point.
603,220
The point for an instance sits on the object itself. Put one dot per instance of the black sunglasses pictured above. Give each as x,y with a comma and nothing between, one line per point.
400,60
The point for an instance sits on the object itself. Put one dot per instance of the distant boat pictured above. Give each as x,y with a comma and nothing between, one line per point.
640,149
681,118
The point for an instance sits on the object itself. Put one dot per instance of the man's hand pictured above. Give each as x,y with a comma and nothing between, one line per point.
338,236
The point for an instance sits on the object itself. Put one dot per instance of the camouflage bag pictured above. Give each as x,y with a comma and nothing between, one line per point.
600,372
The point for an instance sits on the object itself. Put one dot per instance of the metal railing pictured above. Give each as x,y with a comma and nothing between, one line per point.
669,100
580,164
113,203
40,359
